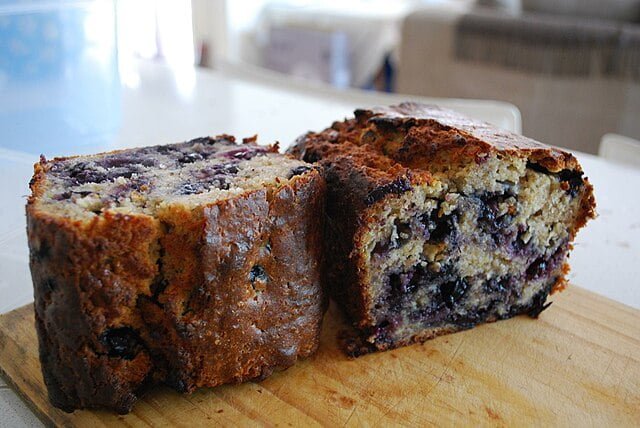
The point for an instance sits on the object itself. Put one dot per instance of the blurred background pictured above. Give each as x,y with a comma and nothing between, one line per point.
572,67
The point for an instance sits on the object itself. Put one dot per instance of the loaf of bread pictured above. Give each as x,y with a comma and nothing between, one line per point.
436,222
193,264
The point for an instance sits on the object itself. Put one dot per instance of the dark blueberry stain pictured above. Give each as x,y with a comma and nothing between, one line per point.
124,160
518,245
299,170
491,221
219,183
537,268
438,227
190,189
404,232
226,168
120,172
397,187
402,282
207,180
572,178
82,173
165,149
472,318
243,153
190,158
496,285
311,156
122,342
538,303
217,171
538,168
258,274
202,140
382,247
452,292
401,286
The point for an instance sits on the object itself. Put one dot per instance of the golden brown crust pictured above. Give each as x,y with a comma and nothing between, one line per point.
126,301
447,127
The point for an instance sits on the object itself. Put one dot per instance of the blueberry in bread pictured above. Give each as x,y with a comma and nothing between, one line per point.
436,222
193,264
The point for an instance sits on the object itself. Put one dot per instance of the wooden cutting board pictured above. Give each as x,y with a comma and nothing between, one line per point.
578,364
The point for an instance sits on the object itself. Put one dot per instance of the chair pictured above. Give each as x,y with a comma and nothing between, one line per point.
619,148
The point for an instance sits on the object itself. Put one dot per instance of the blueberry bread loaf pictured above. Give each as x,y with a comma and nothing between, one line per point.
436,222
193,264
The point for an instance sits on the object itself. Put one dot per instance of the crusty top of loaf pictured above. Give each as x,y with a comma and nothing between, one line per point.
478,133
388,150
424,135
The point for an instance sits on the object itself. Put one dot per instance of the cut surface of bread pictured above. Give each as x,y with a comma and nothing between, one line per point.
436,222
192,264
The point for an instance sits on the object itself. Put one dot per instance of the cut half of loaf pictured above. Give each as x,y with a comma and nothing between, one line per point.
436,222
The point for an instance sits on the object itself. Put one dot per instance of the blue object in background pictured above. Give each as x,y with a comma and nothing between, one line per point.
59,83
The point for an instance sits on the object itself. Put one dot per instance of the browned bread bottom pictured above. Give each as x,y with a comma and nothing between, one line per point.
193,264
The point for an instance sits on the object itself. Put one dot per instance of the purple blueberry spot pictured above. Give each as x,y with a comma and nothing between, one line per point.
190,158
126,159
439,228
489,218
572,177
229,169
538,168
402,282
165,149
404,233
217,170
544,265
122,342
120,172
258,274
299,170
82,172
243,153
537,268
538,303
311,156
397,187
190,189
452,292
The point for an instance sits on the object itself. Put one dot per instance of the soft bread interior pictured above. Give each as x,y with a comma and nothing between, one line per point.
481,243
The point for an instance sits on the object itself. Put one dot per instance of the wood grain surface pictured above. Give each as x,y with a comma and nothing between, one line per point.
578,365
